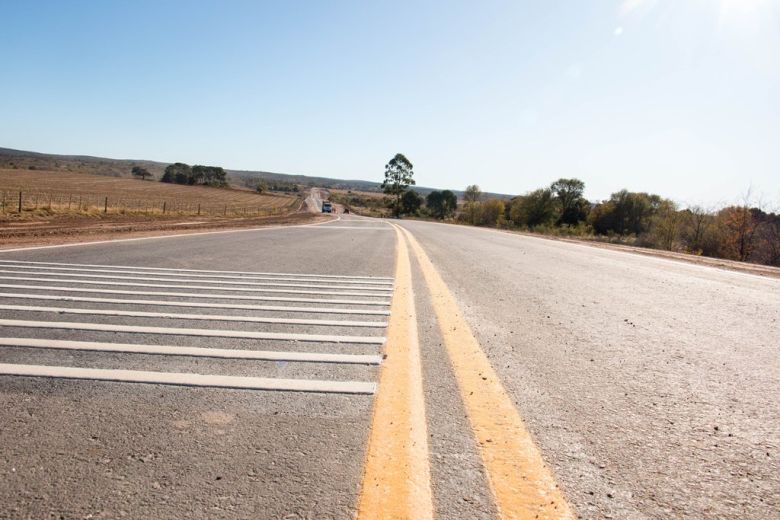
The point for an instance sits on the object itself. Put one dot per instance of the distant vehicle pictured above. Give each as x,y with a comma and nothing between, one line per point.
327,207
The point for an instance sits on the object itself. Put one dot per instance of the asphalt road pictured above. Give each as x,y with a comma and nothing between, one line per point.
314,200
79,448
650,386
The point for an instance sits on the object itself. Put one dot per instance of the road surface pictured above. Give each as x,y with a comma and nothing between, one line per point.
352,358
314,200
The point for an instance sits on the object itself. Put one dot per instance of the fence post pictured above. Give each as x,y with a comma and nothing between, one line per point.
225,214
20,202
105,206
198,209
164,204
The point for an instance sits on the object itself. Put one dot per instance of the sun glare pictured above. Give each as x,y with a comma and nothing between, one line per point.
742,11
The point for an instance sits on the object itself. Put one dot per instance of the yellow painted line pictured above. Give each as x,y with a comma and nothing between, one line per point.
396,476
523,486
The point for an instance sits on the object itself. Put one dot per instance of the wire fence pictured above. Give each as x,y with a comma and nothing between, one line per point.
29,201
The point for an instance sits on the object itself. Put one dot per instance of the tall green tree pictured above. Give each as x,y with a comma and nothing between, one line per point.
181,173
398,178
208,175
569,194
534,209
411,202
450,202
178,173
625,213
441,204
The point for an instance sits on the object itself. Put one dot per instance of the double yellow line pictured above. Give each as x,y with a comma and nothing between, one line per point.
396,480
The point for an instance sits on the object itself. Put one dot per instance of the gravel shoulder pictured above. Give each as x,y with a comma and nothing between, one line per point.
79,229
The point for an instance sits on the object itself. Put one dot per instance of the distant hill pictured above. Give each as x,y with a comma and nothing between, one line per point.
247,176
25,160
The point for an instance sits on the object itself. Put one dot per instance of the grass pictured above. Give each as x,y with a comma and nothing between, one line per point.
50,193
367,203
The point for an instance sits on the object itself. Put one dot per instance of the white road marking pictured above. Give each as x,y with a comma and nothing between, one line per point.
248,273
214,333
198,287
362,228
188,280
174,378
195,295
202,317
131,348
285,278
168,303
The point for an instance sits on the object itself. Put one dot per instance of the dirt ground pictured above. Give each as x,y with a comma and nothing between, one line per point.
65,229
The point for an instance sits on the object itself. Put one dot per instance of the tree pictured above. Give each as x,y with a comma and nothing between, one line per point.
490,212
472,194
534,209
450,202
471,199
435,204
696,221
137,171
625,213
441,204
411,202
179,173
739,225
208,175
569,194
768,239
398,178
666,225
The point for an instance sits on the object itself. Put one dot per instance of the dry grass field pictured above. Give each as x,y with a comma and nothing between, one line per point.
48,193
367,203
60,207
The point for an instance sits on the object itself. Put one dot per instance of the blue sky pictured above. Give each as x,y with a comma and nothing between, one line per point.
677,97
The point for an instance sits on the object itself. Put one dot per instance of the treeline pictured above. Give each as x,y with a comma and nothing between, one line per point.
180,173
263,186
736,232
370,205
